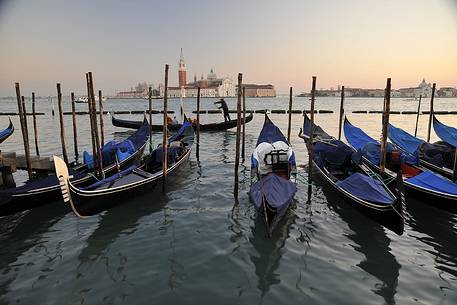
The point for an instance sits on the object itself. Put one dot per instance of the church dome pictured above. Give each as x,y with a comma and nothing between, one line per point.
212,75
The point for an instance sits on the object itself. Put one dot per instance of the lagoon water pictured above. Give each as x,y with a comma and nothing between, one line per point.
196,245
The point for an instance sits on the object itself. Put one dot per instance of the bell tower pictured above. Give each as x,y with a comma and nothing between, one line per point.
182,71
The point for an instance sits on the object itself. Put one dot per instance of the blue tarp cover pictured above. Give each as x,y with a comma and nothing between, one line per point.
356,136
369,147
277,191
333,154
446,133
318,131
434,182
404,140
180,133
110,178
366,188
270,133
122,149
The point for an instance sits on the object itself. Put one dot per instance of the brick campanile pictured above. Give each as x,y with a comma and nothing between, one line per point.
182,71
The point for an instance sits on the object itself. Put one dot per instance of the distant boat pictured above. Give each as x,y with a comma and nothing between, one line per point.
85,99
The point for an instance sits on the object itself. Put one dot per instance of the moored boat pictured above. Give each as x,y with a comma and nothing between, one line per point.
420,183
273,171
45,190
341,168
106,193
438,157
5,133
174,127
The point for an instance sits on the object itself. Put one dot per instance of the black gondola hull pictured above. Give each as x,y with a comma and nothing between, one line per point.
390,217
88,204
33,199
203,127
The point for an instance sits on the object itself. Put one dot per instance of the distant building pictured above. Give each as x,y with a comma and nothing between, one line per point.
254,90
424,89
182,71
211,86
447,92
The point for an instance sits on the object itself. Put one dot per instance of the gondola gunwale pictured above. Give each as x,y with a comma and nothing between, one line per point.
446,196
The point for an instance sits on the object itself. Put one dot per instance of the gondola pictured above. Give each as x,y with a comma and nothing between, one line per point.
106,193
446,133
4,134
340,166
273,172
420,183
174,127
44,190
438,157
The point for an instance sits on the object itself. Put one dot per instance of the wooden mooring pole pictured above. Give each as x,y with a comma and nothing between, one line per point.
430,118
165,132
100,111
35,132
75,131
150,118
62,126
243,144
91,121
198,124
385,122
25,138
311,137
417,116
289,123
340,123
238,130
94,116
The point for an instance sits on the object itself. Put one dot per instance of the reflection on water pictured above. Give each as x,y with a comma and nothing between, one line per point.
439,228
194,245
371,240
268,251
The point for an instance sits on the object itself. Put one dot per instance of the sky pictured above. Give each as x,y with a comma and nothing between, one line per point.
356,43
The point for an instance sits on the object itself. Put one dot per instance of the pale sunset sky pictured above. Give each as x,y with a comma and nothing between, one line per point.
357,43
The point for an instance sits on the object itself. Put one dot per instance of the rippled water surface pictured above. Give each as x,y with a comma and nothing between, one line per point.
195,244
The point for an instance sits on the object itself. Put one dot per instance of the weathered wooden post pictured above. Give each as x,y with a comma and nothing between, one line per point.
198,123
100,111
311,136
75,131
52,107
289,123
243,146
165,138
238,130
417,116
430,118
91,121
26,124
150,118
62,126
94,115
25,138
340,126
34,125
385,122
